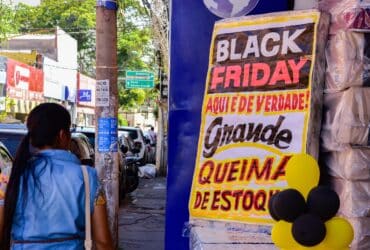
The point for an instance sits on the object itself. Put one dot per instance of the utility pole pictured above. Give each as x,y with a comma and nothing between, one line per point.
161,157
106,102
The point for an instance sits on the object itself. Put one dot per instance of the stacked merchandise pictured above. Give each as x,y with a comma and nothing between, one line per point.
345,132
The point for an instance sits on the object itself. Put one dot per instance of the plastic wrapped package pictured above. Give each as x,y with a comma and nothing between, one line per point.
148,171
358,19
361,227
347,14
352,164
315,119
348,60
305,4
346,119
354,196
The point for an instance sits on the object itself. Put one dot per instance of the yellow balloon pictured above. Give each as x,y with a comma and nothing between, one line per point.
321,246
281,235
309,248
325,247
302,173
339,233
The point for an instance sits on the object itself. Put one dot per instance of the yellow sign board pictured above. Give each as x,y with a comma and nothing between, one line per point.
255,114
27,57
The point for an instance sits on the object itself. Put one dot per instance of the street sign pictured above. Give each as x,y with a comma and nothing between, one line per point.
139,79
84,95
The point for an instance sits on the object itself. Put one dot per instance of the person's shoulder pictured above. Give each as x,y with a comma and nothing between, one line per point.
92,172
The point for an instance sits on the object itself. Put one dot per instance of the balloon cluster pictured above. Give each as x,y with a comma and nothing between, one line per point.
305,212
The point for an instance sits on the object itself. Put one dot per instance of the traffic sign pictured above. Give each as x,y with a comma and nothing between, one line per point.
84,95
139,79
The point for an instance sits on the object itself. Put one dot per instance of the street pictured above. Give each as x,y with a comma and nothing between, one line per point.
142,216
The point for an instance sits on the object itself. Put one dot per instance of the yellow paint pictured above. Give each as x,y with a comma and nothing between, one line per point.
24,57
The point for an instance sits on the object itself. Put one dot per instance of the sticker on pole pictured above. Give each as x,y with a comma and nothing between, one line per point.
230,8
102,93
107,135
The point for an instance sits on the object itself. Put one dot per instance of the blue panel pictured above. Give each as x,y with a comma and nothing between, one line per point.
84,95
107,135
191,30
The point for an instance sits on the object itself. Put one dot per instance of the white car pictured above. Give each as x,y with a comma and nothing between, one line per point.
136,134
152,147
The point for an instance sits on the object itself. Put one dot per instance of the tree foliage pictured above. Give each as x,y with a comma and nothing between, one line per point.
77,17
7,25
135,47
158,11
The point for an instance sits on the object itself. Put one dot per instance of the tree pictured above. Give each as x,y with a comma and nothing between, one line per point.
77,17
158,10
135,50
7,26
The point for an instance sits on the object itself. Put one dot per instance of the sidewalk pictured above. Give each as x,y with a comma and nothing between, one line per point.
142,216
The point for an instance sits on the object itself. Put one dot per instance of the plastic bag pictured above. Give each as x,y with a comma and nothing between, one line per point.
362,233
352,164
348,62
355,197
347,14
346,119
147,171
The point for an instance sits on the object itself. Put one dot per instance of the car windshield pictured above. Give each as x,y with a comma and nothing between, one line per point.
91,137
89,132
131,132
5,161
11,141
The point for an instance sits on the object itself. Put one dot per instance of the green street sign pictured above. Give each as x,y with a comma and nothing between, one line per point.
139,79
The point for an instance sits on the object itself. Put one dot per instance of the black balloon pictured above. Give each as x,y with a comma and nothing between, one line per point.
288,205
308,230
271,207
323,202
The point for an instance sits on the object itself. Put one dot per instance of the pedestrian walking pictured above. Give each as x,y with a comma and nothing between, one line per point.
44,206
152,135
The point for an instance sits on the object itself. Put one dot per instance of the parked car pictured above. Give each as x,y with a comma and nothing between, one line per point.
129,178
130,150
82,148
11,135
151,147
127,145
140,142
6,160
89,132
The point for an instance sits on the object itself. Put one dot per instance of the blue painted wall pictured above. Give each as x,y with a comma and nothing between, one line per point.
190,38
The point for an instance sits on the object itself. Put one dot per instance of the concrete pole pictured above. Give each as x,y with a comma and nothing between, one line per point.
106,150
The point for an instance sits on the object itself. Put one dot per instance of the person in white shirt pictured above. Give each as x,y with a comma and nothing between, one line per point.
153,135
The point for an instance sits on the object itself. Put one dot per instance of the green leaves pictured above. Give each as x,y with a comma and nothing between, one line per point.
135,49
135,45
76,17
131,98
7,26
